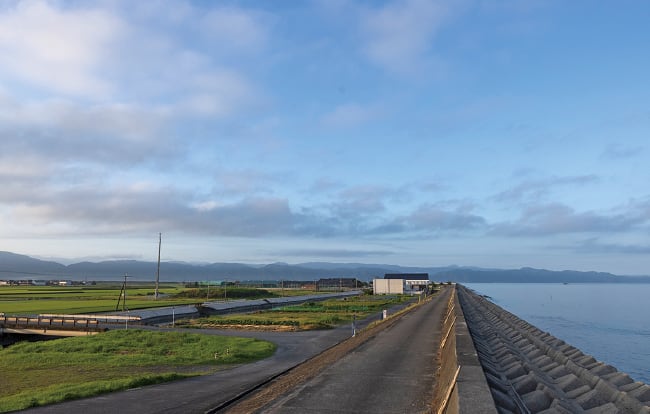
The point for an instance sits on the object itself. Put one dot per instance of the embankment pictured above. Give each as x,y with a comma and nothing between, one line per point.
527,370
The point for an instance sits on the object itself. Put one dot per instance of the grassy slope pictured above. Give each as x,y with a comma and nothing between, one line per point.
46,372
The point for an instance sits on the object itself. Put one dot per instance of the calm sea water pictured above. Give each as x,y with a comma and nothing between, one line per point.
611,322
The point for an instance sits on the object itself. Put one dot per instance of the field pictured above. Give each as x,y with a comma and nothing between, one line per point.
30,300
312,315
41,373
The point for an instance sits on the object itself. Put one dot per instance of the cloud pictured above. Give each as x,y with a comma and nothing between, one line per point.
399,35
63,130
57,50
131,53
533,190
430,218
621,152
336,253
243,182
556,218
133,208
594,246
235,30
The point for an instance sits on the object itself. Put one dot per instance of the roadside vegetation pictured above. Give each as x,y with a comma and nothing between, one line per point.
39,373
308,316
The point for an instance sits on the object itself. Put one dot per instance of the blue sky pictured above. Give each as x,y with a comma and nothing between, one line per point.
496,133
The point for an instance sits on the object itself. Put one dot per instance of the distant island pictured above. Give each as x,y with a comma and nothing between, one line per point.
20,267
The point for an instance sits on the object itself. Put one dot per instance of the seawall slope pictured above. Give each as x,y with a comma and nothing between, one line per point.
531,371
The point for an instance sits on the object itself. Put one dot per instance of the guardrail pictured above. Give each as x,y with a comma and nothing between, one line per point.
448,368
99,318
62,322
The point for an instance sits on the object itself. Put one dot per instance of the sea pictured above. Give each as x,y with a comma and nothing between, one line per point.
610,322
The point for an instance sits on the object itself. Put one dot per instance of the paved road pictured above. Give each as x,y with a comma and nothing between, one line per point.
394,372
200,394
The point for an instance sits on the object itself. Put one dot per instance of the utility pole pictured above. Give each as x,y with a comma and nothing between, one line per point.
122,295
158,272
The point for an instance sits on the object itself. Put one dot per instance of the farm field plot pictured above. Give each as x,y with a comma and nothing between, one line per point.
20,300
311,315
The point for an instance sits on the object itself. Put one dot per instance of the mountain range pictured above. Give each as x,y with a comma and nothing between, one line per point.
16,267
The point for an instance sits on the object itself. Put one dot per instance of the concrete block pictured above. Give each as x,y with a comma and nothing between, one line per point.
631,386
541,360
516,371
602,369
537,401
556,409
590,400
558,371
569,382
618,379
642,393
585,360
608,408
503,401
526,384
534,353
573,394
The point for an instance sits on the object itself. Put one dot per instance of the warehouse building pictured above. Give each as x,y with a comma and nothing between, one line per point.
401,283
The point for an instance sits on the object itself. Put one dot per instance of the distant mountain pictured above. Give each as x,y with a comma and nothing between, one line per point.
16,266
24,267
530,275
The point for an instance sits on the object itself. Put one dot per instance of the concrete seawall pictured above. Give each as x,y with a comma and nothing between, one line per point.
527,370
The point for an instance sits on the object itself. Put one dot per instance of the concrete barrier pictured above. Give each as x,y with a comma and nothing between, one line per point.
531,371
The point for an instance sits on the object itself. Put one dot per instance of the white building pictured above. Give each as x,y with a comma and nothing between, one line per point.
401,283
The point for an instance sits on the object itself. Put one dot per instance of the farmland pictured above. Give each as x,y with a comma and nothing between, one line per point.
312,315
21,300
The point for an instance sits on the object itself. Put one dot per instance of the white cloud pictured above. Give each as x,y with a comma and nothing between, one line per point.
399,35
57,50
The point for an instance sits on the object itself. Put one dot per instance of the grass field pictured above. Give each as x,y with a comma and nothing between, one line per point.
20,300
312,315
41,373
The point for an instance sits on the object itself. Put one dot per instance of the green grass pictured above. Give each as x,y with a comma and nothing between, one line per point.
312,315
41,373
19,300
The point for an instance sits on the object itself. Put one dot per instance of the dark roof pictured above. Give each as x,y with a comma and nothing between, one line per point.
409,276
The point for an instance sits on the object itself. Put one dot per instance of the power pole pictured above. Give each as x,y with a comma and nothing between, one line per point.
158,272
122,295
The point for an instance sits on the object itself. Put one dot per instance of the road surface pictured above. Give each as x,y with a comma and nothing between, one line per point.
393,372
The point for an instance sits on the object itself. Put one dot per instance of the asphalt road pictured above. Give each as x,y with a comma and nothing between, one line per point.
201,394
393,372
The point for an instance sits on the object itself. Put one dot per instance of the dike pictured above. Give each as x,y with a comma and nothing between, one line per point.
526,370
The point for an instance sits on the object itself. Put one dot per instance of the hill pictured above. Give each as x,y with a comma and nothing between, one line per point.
16,266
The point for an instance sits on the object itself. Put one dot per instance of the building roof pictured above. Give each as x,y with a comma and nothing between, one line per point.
407,276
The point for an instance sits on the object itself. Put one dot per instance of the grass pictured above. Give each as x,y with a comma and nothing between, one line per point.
38,373
312,315
20,300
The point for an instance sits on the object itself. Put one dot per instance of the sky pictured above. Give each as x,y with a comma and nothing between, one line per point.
491,133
